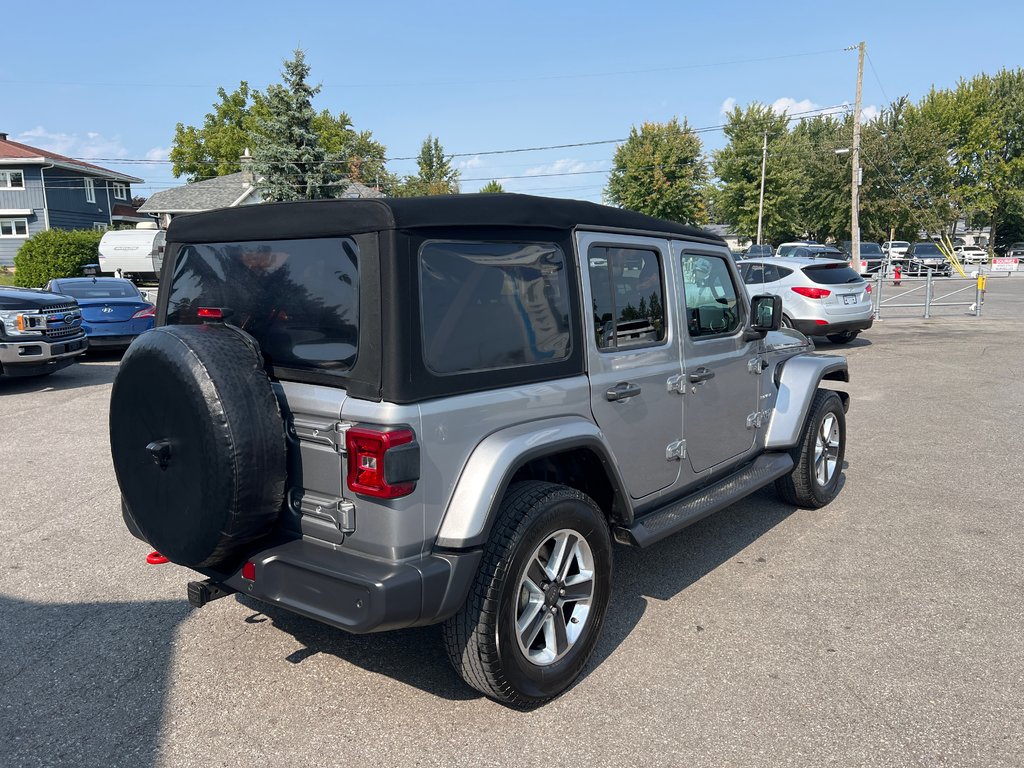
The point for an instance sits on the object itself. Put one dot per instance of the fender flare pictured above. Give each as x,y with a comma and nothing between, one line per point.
475,502
797,380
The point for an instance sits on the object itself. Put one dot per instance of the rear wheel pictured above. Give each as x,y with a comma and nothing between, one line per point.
786,322
814,481
536,609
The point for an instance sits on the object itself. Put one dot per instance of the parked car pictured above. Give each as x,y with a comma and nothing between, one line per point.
465,451
40,332
819,297
114,313
924,257
871,256
786,249
754,250
895,250
1016,250
971,254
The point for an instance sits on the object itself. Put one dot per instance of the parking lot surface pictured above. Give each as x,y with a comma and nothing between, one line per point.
883,630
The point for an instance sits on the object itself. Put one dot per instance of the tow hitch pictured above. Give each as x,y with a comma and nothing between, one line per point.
202,592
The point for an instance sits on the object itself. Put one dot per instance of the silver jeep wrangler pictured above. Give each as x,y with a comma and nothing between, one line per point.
391,413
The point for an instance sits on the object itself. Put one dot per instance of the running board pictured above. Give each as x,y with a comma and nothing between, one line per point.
662,523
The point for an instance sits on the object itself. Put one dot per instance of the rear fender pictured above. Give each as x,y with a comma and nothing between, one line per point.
797,379
494,462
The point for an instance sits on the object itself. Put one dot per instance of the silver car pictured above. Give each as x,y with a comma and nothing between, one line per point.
820,297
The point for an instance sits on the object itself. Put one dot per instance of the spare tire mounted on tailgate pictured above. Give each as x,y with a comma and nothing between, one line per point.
198,443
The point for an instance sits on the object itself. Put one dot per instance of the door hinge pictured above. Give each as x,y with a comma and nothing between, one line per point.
677,384
757,365
675,451
758,419
340,512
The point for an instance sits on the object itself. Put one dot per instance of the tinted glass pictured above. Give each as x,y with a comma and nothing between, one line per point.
755,274
101,289
783,272
870,249
832,274
298,298
629,300
926,249
493,305
711,304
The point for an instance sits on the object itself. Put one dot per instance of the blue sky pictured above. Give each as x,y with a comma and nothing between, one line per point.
99,82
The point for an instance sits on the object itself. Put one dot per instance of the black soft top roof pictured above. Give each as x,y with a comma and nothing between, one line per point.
321,218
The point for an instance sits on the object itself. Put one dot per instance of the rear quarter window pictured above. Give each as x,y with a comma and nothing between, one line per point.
492,305
298,298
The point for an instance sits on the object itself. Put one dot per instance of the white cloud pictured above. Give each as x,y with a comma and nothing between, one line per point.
565,166
869,113
792,106
90,145
727,106
469,163
158,153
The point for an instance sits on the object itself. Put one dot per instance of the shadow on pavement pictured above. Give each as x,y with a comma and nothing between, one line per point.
85,373
84,684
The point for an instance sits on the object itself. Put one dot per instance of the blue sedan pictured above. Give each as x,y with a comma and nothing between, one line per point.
113,310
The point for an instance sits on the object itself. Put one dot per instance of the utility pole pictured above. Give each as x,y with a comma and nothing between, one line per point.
855,154
760,205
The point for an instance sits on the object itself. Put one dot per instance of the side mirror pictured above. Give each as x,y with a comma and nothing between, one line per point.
765,315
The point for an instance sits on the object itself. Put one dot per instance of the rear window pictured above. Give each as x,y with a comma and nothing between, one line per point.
832,274
486,306
298,298
99,290
870,249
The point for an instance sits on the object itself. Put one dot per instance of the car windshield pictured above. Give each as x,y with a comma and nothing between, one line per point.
870,249
832,274
927,249
899,244
100,289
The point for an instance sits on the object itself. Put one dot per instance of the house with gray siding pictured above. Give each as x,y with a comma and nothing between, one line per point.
42,190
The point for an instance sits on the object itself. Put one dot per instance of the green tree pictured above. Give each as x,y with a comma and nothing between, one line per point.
289,161
362,158
660,170
491,187
824,189
436,175
215,148
738,168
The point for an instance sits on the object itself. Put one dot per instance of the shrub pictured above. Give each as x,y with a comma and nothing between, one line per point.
55,253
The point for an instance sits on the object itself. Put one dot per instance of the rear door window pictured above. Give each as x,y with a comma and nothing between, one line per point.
486,306
298,298
832,274
629,297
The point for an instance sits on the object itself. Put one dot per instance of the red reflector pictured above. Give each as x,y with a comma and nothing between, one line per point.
367,458
155,558
249,571
821,322
811,293
210,313
868,287
149,311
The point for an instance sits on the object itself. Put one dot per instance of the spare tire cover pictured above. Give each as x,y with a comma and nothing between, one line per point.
198,442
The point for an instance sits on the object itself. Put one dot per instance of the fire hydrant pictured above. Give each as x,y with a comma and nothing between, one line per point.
896,275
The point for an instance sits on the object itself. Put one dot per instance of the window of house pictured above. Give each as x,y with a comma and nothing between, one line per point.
120,191
712,306
629,299
12,180
13,227
100,226
90,190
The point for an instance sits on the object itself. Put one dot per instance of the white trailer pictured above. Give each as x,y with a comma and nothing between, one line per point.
136,253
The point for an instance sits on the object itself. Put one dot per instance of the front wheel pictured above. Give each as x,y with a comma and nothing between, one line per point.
814,481
535,611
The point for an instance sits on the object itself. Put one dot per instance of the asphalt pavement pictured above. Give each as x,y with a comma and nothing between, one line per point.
883,630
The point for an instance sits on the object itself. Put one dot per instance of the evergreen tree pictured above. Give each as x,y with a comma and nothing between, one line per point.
492,187
436,175
289,158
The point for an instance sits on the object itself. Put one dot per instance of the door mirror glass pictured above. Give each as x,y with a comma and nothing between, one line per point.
766,313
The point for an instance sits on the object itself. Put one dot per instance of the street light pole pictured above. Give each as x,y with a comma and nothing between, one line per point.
760,204
855,156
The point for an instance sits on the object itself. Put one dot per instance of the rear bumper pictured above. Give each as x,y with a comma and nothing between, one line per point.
112,341
33,357
357,593
812,328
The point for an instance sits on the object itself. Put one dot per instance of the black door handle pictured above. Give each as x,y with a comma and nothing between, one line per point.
701,375
622,391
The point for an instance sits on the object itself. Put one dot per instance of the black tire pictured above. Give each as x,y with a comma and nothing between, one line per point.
786,322
803,486
198,443
481,639
843,338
